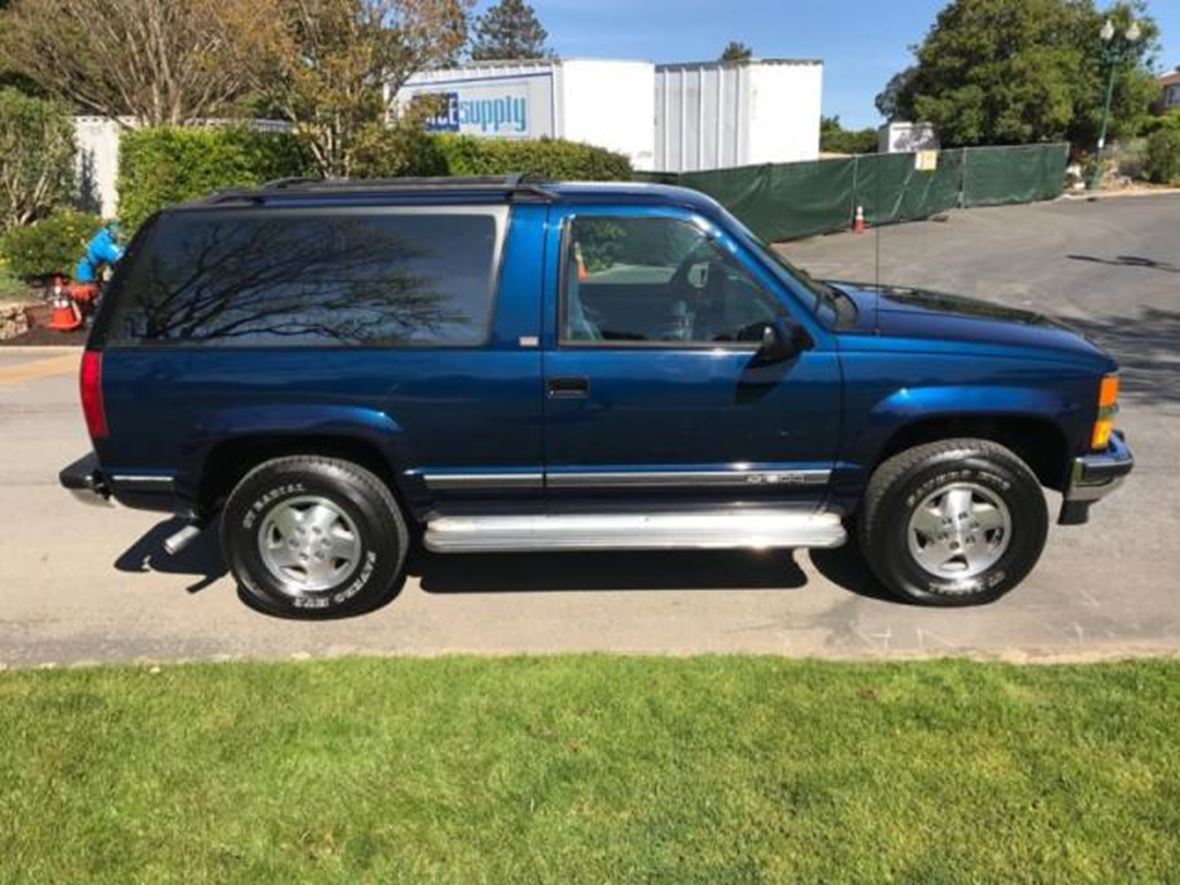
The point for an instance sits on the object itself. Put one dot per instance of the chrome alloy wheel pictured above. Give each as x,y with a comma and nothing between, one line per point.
959,531
309,543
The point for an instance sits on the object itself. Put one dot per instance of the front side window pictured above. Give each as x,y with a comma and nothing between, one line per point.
657,280
310,278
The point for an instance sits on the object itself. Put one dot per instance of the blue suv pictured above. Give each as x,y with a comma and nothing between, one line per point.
341,369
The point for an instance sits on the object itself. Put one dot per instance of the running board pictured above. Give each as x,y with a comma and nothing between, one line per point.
710,530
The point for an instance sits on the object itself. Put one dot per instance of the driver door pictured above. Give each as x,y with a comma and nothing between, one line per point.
654,391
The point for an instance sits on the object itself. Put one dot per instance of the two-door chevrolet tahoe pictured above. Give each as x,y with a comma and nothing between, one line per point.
337,370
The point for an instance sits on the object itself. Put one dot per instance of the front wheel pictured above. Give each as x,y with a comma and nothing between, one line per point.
952,523
310,536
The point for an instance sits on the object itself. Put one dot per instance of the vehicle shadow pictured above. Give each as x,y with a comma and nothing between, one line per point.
627,571
202,558
1145,344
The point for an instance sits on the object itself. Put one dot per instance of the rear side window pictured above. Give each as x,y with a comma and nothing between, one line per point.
289,277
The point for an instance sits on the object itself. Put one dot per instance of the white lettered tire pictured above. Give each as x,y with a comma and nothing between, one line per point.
953,523
313,537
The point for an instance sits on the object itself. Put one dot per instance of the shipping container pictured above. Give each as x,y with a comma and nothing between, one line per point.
602,102
716,115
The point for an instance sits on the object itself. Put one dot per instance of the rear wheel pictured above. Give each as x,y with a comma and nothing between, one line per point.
310,536
952,523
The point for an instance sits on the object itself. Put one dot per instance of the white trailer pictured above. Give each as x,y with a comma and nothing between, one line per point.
716,115
602,102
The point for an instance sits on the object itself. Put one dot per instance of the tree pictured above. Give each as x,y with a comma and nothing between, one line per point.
162,61
509,30
333,63
36,157
736,51
1018,71
835,139
895,95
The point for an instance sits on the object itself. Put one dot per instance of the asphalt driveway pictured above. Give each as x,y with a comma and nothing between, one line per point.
86,584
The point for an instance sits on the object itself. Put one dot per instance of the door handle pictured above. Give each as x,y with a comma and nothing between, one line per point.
576,387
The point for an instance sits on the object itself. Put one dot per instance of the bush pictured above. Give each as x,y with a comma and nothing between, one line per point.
36,157
50,246
551,158
408,152
165,164
1162,159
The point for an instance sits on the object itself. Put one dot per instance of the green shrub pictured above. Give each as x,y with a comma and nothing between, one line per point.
551,158
168,164
50,246
408,152
1162,158
164,165
36,157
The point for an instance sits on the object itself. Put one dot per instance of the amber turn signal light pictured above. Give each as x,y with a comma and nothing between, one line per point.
1108,406
1108,392
1103,427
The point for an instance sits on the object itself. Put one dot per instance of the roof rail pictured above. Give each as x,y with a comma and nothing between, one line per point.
516,183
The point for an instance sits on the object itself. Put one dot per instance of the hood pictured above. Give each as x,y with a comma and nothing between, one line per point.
903,312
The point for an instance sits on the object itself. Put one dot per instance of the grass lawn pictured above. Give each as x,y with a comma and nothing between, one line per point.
591,769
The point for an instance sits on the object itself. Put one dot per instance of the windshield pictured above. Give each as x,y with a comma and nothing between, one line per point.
829,304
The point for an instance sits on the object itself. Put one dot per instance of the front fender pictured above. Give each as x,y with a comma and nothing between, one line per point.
869,434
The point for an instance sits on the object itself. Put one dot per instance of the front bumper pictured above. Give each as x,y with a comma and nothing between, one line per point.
1093,477
85,481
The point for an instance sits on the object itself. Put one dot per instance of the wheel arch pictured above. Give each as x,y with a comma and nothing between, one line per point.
1037,440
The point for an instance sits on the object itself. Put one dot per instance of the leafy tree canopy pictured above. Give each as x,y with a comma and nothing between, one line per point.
835,139
1020,71
736,51
509,30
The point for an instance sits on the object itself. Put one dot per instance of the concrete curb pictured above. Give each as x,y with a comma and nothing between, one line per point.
42,349
1087,197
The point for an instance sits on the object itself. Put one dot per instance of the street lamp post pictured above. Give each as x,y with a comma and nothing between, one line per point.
1115,48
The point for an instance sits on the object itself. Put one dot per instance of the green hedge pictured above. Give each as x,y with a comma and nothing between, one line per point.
551,158
163,165
50,246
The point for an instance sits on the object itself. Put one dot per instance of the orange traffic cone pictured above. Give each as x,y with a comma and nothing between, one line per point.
859,225
65,317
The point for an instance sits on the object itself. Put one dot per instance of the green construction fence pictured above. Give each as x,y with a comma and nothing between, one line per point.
784,201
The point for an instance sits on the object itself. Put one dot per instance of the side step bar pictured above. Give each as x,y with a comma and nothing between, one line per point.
711,530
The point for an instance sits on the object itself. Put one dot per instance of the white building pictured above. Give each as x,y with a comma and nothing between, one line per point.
716,115
670,118
597,101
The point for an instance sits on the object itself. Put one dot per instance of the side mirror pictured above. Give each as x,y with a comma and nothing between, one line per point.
782,339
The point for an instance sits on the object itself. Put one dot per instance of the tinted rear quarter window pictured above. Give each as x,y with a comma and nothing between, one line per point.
322,277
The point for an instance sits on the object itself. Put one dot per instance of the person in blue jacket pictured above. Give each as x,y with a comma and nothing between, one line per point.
103,249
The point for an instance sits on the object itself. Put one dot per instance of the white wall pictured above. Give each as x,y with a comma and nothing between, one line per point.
97,163
610,104
604,103
717,115
785,106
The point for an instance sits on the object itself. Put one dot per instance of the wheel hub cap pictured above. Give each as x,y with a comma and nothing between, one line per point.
308,543
959,531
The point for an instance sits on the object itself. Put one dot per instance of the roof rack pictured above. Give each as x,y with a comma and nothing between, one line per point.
516,183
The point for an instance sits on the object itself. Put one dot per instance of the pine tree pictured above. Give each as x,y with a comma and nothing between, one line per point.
509,30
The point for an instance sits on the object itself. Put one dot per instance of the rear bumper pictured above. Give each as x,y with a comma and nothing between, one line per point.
85,481
1093,477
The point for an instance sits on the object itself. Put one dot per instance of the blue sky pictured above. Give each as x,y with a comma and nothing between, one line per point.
862,42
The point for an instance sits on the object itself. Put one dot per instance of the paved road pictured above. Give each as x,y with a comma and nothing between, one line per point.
81,584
